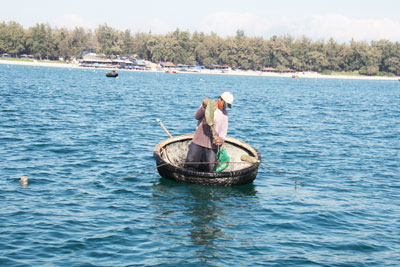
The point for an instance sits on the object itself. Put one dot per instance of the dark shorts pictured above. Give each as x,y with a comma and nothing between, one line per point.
198,153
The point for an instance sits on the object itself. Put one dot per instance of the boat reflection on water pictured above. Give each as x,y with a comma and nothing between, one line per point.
210,209
207,215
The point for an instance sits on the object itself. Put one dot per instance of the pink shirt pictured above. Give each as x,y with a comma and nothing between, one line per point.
203,134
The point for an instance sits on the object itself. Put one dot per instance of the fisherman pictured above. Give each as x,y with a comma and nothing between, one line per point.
210,134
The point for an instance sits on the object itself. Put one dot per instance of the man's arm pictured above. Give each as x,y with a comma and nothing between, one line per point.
200,113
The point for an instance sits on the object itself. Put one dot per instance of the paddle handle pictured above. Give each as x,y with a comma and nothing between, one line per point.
249,159
165,129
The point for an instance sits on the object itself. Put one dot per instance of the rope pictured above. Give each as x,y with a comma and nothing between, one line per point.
137,173
277,172
263,165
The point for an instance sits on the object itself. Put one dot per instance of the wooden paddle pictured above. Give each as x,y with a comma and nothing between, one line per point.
165,129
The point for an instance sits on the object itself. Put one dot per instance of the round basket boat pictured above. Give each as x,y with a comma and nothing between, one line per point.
112,74
170,155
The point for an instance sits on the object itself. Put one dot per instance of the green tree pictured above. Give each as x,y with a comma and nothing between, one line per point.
62,37
12,38
155,48
245,52
258,50
392,65
37,41
301,47
79,41
127,43
361,55
139,45
208,51
316,58
280,50
390,55
108,41
332,51
181,47
369,70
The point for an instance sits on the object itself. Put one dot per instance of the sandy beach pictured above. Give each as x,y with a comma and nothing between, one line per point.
212,72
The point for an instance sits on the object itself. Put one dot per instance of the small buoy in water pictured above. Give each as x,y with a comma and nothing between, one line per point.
24,180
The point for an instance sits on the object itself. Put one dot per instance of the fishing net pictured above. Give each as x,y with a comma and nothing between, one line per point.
223,159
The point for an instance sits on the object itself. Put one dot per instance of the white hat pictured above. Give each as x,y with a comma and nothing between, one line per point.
228,98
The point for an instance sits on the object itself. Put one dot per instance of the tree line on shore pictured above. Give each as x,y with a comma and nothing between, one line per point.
182,47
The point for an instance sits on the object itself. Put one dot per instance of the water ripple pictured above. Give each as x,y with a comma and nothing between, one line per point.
74,132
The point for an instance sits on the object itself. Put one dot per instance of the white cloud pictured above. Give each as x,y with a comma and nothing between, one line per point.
227,23
71,21
324,26
318,26
343,28
158,26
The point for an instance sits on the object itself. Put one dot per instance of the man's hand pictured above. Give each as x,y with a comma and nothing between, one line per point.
217,141
205,100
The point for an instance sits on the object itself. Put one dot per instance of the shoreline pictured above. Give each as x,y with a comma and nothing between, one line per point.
311,75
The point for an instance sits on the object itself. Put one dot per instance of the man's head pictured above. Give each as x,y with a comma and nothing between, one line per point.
227,97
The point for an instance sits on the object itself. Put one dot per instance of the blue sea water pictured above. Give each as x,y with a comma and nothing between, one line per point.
74,132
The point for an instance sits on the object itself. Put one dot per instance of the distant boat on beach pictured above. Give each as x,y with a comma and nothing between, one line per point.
112,74
171,71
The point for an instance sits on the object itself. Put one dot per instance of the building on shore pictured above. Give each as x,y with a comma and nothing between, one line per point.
25,56
168,65
277,70
95,61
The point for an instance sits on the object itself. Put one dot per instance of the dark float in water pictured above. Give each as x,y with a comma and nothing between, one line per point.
112,74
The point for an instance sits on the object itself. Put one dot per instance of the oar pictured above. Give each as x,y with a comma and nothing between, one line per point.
165,129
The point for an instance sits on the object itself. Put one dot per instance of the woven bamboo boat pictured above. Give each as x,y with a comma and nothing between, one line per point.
170,155
112,74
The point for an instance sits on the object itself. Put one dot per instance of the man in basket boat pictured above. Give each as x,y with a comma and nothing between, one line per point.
211,131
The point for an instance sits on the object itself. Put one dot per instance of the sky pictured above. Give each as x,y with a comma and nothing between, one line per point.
342,20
